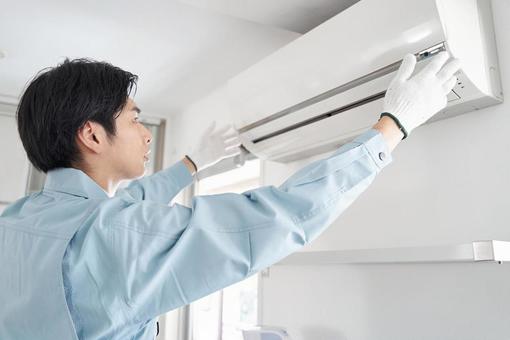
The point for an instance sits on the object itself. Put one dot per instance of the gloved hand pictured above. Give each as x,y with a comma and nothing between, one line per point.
414,100
215,146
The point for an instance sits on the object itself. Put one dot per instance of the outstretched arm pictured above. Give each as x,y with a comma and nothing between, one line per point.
160,187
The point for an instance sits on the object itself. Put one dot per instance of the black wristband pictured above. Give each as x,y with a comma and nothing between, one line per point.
395,119
189,159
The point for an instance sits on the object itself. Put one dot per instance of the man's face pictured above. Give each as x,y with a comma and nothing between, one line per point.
129,148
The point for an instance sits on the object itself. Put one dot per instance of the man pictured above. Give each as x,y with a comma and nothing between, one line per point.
80,260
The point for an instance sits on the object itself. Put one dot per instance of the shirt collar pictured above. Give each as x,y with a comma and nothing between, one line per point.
75,182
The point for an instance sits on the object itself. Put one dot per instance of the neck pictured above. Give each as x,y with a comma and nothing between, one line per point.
104,179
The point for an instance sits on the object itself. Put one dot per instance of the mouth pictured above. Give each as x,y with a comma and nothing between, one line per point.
146,156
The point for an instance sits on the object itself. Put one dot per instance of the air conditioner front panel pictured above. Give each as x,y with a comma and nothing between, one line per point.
313,95
365,37
276,140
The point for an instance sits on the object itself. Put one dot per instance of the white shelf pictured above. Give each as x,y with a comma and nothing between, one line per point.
477,251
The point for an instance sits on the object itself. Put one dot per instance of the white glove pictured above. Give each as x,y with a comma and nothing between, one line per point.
414,100
215,146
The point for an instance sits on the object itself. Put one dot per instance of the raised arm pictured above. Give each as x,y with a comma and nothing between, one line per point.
160,187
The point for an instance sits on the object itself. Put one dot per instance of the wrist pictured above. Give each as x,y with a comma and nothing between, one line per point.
397,121
189,164
390,131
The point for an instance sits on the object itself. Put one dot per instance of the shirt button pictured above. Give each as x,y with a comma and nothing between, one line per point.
382,156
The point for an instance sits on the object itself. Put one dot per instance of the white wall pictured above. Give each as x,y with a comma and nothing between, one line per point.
448,184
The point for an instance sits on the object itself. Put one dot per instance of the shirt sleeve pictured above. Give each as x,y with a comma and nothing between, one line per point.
168,256
160,187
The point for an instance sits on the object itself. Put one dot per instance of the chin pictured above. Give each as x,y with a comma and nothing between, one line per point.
140,173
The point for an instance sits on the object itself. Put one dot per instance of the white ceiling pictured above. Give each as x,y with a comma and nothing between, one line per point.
181,50
293,15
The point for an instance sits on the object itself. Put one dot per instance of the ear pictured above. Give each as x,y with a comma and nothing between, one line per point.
92,137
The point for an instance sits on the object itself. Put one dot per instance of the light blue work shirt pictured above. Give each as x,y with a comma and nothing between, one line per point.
77,264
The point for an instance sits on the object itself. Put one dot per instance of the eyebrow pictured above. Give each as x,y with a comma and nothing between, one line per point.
137,109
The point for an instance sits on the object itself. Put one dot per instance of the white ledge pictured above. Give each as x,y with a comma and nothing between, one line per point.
477,251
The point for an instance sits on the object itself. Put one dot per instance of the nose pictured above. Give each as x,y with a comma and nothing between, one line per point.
148,136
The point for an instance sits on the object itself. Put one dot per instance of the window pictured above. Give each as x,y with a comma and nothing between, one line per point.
223,314
14,167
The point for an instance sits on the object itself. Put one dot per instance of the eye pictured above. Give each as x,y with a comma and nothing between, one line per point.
136,119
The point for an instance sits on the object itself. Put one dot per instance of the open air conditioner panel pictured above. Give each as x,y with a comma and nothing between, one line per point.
331,120
314,95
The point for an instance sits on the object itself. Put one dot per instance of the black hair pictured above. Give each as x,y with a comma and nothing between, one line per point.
60,100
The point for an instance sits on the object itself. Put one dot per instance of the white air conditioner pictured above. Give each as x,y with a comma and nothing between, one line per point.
327,86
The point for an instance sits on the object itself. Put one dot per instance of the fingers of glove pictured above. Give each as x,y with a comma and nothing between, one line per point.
435,65
448,86
204,138
233,152
448,70
233,142
231,134
210,128
223,130
406,69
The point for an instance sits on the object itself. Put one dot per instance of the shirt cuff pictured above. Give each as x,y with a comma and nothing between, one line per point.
377,147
